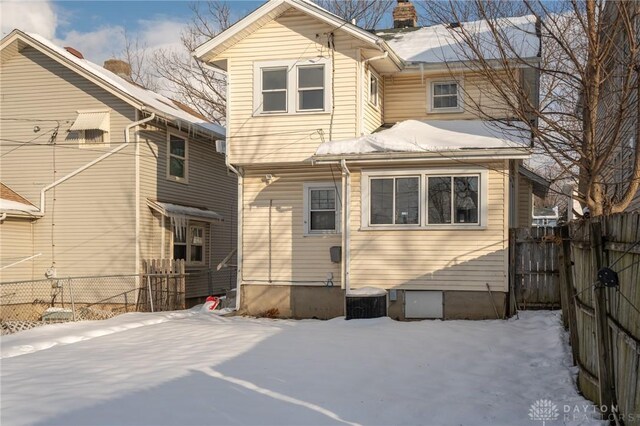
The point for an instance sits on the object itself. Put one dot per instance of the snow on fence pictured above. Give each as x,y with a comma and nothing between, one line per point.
535,272
602,313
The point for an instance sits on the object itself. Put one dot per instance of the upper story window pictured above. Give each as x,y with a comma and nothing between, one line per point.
177,158
274,89
374,83
290,87
91,128
311,88
424,199
445,96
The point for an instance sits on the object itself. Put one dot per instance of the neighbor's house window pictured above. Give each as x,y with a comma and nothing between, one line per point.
91,128
177,158
424,198
189,246
373,89
321,209
395,200
311,87
445,97
274,89
196,244
281,84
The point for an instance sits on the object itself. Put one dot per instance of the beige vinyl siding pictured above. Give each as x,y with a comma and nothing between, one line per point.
525,202
93,212
288,137
16,244
273,229
209,185
373,114
407,97
429,259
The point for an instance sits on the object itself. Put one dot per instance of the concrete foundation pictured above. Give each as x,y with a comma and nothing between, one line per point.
293,301
328,302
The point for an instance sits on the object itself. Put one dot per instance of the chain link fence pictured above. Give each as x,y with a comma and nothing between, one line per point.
28,304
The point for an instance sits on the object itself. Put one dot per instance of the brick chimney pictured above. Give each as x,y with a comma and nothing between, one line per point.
119,68
405,15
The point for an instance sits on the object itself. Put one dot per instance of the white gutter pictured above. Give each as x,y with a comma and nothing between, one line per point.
41,211
3,216
432,156
346,199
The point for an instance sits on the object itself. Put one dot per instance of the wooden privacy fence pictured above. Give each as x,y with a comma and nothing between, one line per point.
163,285
603,318
535,272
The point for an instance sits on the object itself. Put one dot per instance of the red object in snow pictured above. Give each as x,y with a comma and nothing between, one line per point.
215,303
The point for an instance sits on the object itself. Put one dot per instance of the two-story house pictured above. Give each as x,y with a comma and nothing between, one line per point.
100,174
360,166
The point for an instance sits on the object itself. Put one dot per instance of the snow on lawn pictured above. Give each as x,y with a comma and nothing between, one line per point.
188,367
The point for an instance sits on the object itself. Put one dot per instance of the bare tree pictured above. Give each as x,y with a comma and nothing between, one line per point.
136,54
586,117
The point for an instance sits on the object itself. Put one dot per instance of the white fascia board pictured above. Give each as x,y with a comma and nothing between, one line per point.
203,51
467,154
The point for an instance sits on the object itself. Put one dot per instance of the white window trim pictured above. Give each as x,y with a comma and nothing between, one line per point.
292,86
189,245
460,108
306,208
286,88
372,75
398,225
170,177
298,89
483,213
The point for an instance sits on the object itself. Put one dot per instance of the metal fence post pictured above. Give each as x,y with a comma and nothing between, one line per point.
73,304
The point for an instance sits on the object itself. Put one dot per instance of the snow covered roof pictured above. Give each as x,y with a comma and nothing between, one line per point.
430,136
439,43
178,210
163,106
12,202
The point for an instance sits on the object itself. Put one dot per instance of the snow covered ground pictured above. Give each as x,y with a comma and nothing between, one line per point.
188,367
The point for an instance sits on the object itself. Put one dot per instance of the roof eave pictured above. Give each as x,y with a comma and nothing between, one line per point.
460,154
203,52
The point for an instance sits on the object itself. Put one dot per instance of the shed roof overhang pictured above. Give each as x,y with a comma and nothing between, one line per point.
172,210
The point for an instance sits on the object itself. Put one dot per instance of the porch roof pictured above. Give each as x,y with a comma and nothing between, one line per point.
429,137
178,210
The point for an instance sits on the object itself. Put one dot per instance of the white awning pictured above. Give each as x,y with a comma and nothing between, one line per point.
91,120
179,211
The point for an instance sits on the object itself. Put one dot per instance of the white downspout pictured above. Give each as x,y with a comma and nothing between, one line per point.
96,161
346,200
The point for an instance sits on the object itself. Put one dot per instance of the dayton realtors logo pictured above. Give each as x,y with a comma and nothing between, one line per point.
543,410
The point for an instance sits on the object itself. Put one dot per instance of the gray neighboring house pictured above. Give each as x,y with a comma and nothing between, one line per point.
112,174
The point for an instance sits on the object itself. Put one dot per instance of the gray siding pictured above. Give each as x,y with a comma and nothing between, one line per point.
88,228
209,185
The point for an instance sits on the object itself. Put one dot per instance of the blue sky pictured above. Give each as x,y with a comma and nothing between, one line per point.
97,28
